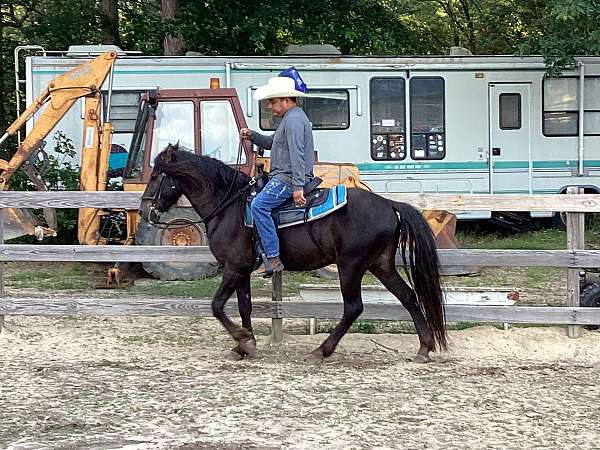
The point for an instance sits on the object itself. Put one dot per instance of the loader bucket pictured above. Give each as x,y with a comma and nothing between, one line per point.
19,222
443,226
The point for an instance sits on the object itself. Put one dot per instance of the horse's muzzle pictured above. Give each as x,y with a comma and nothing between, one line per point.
153,217
149,212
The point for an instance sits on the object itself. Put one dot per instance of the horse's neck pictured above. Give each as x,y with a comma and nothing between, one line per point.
206,204
203,204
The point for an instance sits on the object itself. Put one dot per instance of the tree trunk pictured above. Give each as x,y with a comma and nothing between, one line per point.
109,20
173,43
3,119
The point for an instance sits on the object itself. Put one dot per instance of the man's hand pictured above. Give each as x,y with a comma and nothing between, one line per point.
246,133
299,199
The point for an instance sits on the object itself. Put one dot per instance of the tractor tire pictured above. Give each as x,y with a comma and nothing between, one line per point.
590,296
192,234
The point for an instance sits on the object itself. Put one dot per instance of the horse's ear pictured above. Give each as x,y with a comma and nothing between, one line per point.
167,155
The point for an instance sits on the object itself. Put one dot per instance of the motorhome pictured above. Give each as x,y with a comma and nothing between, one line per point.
433,124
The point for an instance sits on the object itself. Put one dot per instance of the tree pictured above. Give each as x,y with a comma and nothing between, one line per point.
237,27
109,21
567,29
481,26
173,42
12,18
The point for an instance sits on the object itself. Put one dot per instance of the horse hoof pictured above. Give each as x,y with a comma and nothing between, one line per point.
248,346
314,357
421,359
234,355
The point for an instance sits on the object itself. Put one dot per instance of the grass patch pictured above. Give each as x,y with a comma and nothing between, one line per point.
538,276
543,239
52,277
529,240
207,287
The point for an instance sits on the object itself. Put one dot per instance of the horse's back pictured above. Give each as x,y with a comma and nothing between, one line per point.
368,207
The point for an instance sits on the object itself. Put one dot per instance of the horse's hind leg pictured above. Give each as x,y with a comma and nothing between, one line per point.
350,280
243,336
392,280
248,346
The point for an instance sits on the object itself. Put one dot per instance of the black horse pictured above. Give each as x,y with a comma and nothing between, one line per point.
364,235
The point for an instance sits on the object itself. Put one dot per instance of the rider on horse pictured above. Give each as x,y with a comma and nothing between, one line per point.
292,149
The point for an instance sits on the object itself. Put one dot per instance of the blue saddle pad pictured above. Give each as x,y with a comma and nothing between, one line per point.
321,202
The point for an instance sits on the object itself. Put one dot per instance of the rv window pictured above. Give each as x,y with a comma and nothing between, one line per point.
591,122
591,104
174,123
219,132
591,97
427,118
560,123
510,111
561,106
124,106
388,118
327,109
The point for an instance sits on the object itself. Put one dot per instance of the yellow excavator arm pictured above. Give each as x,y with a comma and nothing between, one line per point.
84,81
60,95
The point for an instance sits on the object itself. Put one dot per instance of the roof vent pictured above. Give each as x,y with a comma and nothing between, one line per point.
460,51
93,50
311,50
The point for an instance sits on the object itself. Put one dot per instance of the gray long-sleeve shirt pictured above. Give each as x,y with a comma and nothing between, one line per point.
292,148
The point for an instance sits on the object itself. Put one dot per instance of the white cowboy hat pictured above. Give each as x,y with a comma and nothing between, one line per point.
278,87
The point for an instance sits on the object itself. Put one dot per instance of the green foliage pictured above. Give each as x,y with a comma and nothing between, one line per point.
59,173
567,29
266,28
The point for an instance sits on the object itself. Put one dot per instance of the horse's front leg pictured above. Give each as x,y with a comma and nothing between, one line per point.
243,337
248,346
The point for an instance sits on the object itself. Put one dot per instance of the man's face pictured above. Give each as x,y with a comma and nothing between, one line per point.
279,106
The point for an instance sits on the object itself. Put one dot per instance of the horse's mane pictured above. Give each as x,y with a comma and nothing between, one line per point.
203,171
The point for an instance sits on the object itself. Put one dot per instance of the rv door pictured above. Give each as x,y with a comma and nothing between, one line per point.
510,144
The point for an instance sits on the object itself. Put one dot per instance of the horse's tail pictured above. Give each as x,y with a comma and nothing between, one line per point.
424,273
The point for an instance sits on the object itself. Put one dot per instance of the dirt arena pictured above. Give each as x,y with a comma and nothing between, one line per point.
163,383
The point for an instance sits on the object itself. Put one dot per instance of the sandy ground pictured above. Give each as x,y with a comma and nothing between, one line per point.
163,383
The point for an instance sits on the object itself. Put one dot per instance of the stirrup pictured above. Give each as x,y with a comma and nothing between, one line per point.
266,270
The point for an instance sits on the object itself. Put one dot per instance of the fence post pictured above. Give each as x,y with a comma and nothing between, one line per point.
276,296
575,241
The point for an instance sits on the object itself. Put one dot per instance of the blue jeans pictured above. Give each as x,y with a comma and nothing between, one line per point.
273,194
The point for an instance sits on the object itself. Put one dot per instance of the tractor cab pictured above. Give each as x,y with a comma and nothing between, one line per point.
205,121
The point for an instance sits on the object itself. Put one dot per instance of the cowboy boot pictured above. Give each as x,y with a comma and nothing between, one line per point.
267,269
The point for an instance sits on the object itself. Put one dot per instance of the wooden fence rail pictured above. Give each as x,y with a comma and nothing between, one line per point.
36,306
573,258
575,203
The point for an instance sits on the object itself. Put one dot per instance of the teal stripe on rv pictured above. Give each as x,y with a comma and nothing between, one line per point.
478,165
566,164
429,165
